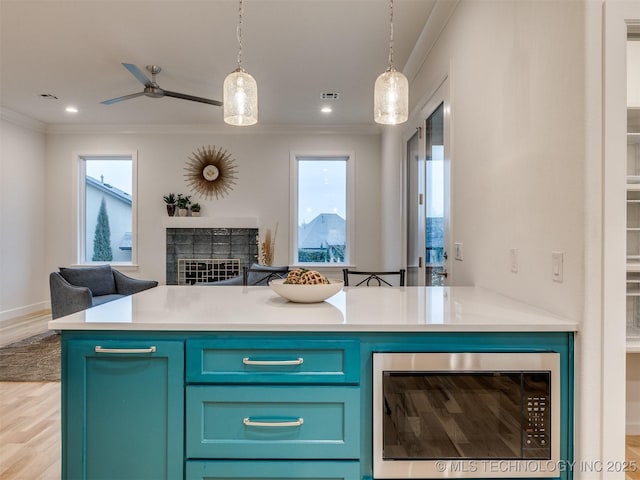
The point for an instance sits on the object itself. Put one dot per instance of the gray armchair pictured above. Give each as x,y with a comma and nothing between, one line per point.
255,274
76,289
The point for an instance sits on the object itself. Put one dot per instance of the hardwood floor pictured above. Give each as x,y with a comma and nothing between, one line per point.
633,456
30,432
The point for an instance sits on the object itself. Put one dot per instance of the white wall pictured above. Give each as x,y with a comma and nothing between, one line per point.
516,80
262,189
23,274
392,200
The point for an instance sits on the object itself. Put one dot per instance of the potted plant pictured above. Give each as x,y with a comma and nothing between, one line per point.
183,204
195,209
170,200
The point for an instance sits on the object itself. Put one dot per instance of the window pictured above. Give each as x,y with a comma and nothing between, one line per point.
321,189
106,208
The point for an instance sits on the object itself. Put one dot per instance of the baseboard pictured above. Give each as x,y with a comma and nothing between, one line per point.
18,328
632,428
25,311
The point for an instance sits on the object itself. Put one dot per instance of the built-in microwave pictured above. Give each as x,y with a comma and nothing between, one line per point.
473,415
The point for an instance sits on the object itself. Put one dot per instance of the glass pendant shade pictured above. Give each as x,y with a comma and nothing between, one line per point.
240,98
391,98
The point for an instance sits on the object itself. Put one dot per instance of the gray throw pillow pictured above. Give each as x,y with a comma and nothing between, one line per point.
98,279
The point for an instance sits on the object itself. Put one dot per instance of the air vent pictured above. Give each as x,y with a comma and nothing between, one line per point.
330,96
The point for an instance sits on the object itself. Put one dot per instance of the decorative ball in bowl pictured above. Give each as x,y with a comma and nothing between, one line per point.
305,293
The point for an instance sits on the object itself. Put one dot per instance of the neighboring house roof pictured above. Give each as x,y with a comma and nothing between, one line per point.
324,230
110,190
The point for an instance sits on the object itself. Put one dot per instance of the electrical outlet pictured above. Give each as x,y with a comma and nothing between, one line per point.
513,256
557,260
458,248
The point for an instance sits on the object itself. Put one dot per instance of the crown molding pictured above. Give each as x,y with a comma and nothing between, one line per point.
207,129
22,120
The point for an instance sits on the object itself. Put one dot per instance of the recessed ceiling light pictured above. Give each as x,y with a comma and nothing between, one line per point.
326,110
71,110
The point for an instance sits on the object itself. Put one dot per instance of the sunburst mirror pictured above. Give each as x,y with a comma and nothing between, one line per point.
211,172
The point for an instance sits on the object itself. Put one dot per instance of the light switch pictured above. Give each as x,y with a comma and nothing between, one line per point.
557,259
458,248
513,257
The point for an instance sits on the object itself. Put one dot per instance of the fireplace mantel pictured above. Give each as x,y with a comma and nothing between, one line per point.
210,222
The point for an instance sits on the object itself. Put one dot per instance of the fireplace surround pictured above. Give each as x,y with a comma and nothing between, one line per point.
209,243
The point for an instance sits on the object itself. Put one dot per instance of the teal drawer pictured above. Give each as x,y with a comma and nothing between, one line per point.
272,361
260,422
257,470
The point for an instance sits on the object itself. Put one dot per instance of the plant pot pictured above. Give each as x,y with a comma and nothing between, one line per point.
182,212
171,210
195,214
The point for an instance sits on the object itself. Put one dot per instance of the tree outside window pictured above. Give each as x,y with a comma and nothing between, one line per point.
102,238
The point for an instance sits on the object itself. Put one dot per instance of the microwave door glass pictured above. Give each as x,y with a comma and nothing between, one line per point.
462,415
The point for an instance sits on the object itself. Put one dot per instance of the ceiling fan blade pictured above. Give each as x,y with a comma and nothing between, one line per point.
119,99
136,72
184,96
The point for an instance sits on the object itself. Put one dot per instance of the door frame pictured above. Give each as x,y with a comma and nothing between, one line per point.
617,16
440,94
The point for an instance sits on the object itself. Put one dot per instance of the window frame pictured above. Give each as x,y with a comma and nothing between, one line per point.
349,157
80,247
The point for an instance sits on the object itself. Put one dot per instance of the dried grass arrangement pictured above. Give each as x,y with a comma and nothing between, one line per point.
266,247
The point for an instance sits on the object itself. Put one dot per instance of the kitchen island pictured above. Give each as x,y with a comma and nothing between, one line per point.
180,382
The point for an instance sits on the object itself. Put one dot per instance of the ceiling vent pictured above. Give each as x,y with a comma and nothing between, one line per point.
329,96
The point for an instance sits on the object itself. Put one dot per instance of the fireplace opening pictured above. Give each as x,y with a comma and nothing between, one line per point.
204,255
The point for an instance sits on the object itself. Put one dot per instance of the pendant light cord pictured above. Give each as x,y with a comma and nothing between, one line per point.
391,35
239,34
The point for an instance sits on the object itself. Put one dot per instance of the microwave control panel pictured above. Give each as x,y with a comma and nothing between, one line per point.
536,441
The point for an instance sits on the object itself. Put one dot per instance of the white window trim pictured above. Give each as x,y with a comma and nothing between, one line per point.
293,203
79,206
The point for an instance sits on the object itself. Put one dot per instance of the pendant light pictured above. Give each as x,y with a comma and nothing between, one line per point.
240,90
391,91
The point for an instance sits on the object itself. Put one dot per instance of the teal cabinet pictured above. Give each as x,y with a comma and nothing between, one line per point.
274,421
246,405
269,360
273,470
123,409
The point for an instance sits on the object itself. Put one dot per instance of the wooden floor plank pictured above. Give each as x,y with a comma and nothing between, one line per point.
30,431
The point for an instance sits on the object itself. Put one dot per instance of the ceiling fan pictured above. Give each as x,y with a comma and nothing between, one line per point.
153,90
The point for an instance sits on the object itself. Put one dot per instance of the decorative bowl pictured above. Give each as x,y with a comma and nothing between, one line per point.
305,293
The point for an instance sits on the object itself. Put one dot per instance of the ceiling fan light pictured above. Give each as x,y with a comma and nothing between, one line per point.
240,98
391,98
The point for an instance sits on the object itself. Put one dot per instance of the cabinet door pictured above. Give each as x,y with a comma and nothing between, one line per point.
122,409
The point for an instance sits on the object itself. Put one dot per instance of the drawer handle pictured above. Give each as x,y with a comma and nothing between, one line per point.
100,349
248,361
250,423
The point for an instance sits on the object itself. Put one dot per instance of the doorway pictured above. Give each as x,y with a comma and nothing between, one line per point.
428,193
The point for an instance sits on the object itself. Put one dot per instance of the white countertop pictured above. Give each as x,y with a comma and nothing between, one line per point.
357,309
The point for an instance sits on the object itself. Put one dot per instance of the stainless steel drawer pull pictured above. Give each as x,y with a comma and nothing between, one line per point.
100,349
248,361
250,423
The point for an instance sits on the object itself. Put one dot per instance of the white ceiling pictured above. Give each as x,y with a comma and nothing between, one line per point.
296,50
